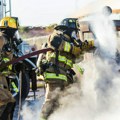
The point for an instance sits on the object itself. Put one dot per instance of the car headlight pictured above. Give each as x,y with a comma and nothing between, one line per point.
27,49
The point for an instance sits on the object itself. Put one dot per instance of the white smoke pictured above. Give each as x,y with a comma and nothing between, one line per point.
31,111
104,31
97,96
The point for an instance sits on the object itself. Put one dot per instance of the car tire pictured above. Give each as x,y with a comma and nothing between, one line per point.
25,86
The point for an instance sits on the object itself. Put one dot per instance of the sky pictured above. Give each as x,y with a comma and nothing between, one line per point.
45,12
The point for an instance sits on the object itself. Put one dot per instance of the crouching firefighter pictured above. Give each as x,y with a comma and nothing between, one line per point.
56,67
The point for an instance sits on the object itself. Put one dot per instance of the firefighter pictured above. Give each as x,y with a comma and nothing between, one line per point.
9,25
56,67
7,102
8,39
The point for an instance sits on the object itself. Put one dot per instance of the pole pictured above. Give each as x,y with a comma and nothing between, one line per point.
20,94
1,9
10,7
5,7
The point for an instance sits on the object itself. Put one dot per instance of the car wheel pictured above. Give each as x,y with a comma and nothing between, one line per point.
25,86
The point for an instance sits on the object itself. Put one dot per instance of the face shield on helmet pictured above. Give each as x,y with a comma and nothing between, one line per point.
71,23
69,26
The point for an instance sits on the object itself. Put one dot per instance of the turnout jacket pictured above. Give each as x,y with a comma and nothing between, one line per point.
59,62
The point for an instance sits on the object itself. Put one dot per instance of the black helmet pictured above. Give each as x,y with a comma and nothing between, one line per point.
68,23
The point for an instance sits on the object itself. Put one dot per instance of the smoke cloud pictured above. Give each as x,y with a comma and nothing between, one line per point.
31,111
97,94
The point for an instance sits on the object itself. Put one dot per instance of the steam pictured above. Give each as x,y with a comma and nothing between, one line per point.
97,96
31,111
104,30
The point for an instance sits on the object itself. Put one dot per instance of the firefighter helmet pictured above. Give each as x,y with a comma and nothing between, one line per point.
9,22
70,23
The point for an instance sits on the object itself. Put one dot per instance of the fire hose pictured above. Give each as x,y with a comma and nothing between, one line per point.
15,60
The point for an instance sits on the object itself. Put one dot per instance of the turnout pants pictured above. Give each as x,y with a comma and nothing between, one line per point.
7,102
51,99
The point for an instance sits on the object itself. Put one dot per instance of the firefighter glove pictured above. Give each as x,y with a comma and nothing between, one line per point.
76,50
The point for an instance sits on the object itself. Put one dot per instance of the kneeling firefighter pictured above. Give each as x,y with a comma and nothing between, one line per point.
57,65
9,27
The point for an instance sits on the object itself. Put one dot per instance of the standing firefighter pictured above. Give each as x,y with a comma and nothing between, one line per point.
9,27
57,67
7,102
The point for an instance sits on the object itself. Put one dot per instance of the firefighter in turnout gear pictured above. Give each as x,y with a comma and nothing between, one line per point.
57,65
8,36
9,26
7,102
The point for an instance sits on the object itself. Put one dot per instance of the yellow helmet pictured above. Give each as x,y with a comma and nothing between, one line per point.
11,22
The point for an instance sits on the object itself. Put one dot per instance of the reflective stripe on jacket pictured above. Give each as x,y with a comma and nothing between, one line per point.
67,47
63,59
8,69
7,60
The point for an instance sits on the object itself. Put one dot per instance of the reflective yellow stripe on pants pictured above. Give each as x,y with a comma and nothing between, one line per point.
54,76
14,87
